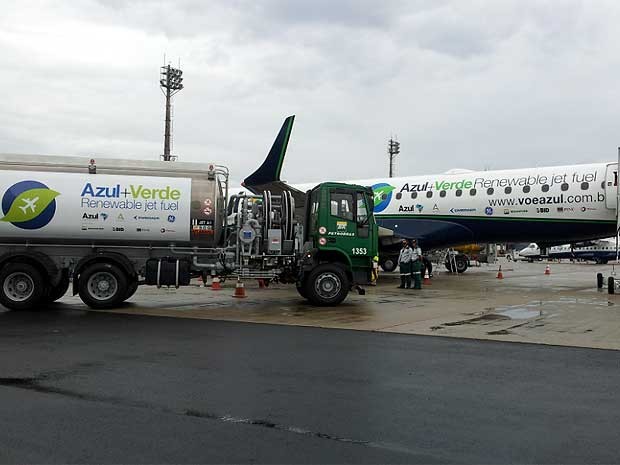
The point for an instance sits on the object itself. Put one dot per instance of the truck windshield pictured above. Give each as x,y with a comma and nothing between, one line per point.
341,205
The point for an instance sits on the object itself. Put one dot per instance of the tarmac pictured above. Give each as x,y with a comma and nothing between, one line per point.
122,386
564,308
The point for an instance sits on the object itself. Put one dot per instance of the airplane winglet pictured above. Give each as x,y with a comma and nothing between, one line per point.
269,171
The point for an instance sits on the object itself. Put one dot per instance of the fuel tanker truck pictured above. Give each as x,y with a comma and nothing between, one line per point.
106,227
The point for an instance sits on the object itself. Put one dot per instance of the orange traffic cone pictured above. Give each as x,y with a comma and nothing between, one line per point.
239,290
548,269
215,284
500,275
427,278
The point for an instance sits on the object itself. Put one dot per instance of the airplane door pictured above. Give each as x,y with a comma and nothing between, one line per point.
611,186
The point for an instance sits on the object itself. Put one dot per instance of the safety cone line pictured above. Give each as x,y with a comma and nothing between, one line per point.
500,275
547,269
215,284
427,278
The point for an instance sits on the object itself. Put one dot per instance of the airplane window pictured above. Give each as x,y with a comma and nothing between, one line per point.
459,192
564,187
526,189
399,196
585,186
545,187
414,195
429,194
508,190
442,193
472,192
490,191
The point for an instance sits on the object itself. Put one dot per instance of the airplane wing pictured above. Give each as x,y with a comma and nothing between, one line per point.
267,176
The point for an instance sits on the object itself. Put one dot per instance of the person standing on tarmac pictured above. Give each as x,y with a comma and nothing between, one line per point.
404,262
375,271
416,265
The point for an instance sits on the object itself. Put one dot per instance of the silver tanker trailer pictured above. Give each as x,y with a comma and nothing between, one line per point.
108,226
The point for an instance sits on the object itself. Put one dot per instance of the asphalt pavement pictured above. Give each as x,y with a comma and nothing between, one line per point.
93,387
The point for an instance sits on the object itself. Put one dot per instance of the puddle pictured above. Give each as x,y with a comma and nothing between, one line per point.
490,317
520,313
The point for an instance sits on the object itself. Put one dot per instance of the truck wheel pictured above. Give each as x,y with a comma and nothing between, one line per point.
388,265
102,285
327,285
21,286
59,289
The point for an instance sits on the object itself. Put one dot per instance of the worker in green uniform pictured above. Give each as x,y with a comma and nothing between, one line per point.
416,265
404,263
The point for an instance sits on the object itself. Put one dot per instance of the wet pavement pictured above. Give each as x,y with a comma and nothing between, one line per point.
563,308
80,387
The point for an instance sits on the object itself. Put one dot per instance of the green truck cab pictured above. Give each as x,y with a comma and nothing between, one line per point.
340,241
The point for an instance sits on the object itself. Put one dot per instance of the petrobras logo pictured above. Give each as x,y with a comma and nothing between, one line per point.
382,196
29,205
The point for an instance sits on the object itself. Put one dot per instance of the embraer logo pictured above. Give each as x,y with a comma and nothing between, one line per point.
462,210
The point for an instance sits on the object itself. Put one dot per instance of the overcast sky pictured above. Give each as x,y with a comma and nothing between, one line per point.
468,84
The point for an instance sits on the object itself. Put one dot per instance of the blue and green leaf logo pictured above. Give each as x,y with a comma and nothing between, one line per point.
29,205
382,196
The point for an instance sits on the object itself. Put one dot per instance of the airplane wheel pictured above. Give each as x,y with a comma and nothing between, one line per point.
461,264
388,265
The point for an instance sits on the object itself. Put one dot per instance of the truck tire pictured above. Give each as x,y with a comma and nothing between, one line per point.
59,290
327,285
22,286
103,285
301,288
388,264
132,287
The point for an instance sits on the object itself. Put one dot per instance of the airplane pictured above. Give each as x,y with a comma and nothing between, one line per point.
30,203
599,251
530,253
551,205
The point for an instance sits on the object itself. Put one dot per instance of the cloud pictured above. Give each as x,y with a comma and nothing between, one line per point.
469,84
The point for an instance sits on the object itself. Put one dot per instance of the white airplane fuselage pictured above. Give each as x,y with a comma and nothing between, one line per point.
555,204
552,204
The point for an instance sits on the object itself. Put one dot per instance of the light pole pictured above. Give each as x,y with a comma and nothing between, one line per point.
171,82
393,150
